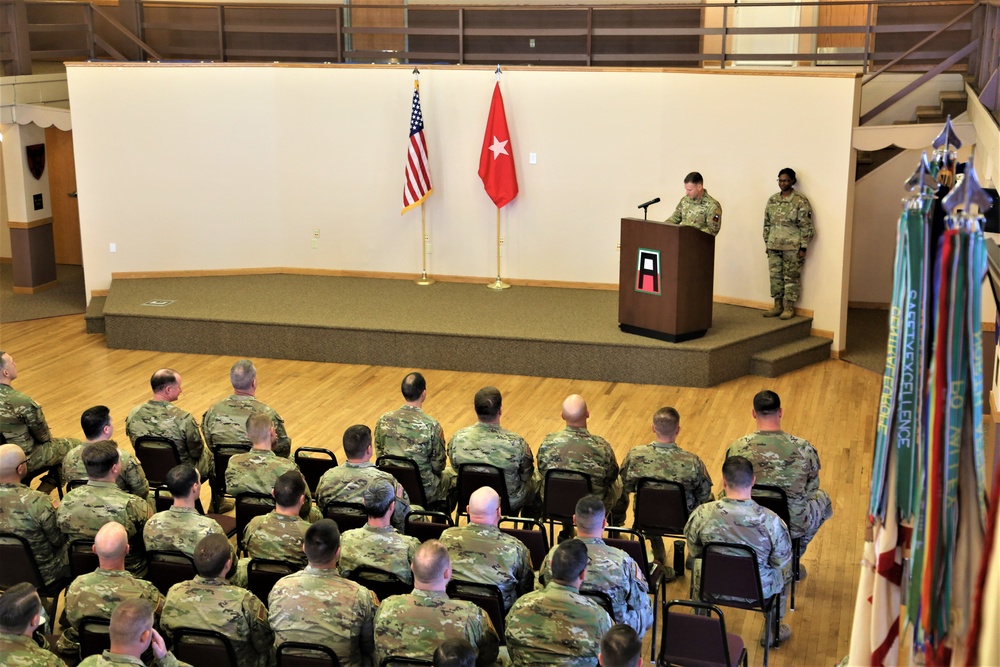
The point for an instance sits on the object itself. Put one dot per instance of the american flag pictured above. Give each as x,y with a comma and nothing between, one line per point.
417,184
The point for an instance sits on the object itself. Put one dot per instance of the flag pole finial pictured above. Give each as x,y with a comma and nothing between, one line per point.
498,72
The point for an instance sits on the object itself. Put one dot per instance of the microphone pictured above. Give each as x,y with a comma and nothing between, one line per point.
650,203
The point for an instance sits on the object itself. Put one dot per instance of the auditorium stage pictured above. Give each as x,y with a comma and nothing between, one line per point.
537,331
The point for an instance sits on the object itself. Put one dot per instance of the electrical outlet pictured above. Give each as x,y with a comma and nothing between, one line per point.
113,247
532,158
314,244
316,233
531,43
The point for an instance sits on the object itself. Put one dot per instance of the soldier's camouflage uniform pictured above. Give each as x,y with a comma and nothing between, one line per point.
109,659
743,522
784,460
30,514
383,548
347,483
494,445
178,529
414,625
484,555
704,213
256,471
411,432
23,424
131,479
97,594
85,509
225,423
788,228
667,461
556,626
575,448
21,651
613,572
214,604
318,606
273,536
165,420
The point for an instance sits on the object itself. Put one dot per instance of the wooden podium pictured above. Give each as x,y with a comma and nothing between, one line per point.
665,280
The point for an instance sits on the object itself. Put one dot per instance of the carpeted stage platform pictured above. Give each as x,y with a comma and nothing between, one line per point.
538,331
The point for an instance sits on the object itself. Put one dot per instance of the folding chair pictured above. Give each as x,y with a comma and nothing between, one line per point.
534,537
19,565
634,544
407,473
157,456
347,515
692,639
95,637
390,660
381,582
167,568
730,577
82,559
221,453
430,529
485,596
473,476
775,499
303,654
55,470
204,648
313,467
563,488
249,505
263,574
601,598
660,508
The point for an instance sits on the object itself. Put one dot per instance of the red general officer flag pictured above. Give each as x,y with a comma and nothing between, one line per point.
496,162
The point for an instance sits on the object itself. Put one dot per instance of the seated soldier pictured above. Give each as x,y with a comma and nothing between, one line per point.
278,534
378,544
86,508
97,427
182,526
210,602
132,634
21,613
225,422
620,647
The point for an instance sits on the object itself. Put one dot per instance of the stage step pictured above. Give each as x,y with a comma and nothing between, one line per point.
94,316
788,357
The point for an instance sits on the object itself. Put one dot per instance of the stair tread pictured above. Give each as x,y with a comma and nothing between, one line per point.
794,347
953,95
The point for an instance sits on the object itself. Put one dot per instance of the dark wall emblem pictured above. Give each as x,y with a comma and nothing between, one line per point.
36,160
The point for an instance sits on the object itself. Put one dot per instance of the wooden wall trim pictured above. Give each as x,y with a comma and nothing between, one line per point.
41,222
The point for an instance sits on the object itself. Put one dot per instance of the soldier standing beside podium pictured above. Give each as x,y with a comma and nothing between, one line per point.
697,208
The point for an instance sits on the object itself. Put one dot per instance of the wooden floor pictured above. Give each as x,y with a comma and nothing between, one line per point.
833,404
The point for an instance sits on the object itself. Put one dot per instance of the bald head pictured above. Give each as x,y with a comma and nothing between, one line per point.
574,411
111,545
11,457
484,506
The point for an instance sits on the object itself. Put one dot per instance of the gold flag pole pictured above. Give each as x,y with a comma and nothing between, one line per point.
424,279
498,284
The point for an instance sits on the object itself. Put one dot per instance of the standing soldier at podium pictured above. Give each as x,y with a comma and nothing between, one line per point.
697,208
788,228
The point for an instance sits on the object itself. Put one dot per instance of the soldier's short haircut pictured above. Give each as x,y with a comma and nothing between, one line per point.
430,561
18,606
211,554
259,426
738,472
694,177
620,647
242,374
181,480
456,652
322,541
487,402
766,402
789,172
162,378
99,458
130,619
288,488
589,512
413,385
93,420
378,495
356,440
569,561
666,421
3,362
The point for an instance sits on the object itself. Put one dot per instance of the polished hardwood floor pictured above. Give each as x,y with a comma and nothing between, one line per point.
833,404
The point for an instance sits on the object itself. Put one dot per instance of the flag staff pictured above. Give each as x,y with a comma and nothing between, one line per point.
498,284
417,186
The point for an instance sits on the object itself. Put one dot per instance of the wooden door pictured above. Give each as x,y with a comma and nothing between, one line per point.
836,13
62,190
379,16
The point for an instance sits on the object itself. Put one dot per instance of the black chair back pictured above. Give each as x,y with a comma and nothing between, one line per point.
533,536
249,505
167,568
563,488
302,654
221,453
660,507
19,565
775,499
204,648
485,596
384,584
75,484
698,639
313,462
407,473
95,637
427,525
601,598
157,456
263,574
473,476
82,559
390,660
347,515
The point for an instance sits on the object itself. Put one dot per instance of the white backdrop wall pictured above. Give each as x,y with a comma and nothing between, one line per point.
224,167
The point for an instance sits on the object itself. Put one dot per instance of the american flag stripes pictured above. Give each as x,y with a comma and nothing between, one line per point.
417,183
